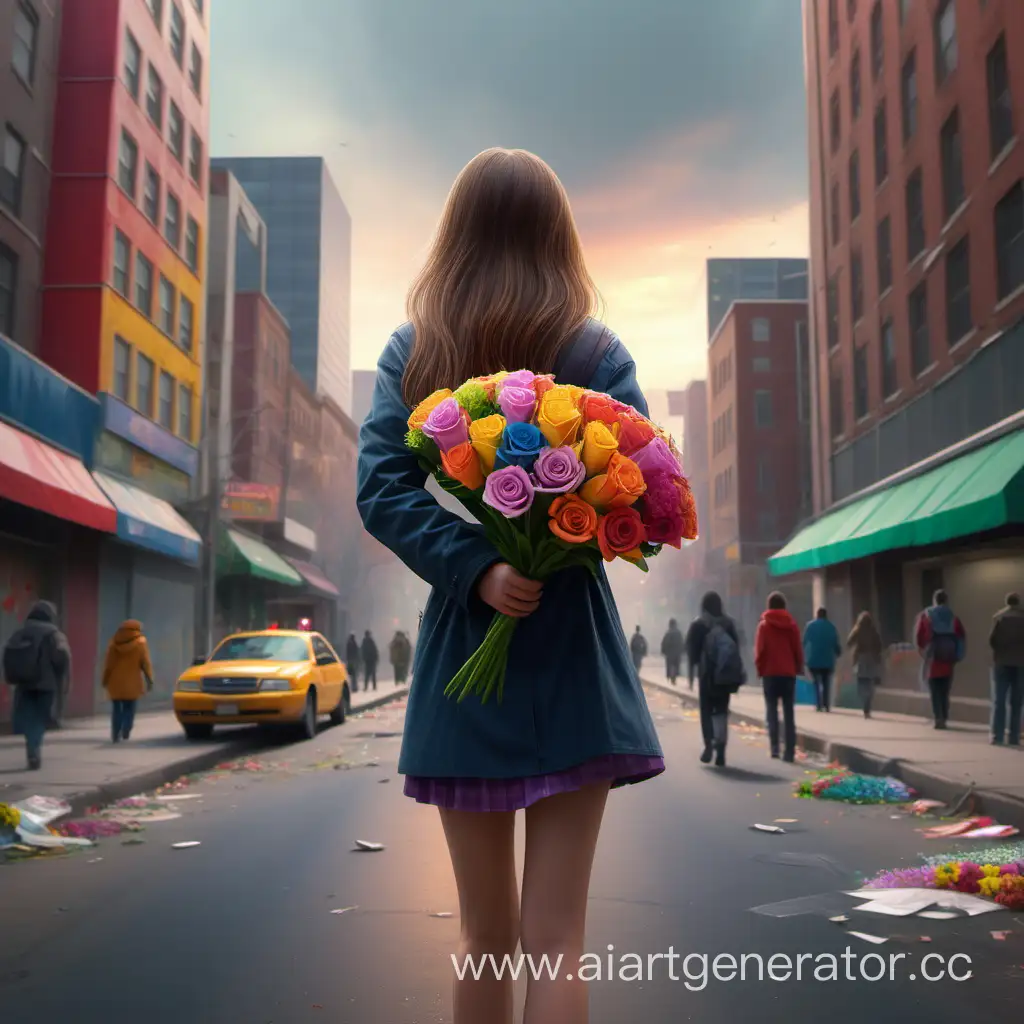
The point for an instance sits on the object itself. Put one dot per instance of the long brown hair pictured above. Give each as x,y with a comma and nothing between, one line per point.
505,284
865,634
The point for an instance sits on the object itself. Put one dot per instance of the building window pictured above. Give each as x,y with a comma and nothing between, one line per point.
128,164
888,349
155,97
145,371
165,410
26,39
835,401
195,160
185,412
122,369
192,245
833,27
185,318
881,144
851,9
860,382
854,185
176,132
167,296
857,285
915,215
920,344
198,5
768,524
1000,102
8,289
835,121
945,41
122,258
177,35
883,255
195,70
132,70
156,8
13,173
172,221
904,10
834,211
855,85
765,476
908,96
761,329
832,302
959,321
877,42
143,284
762,409
151,195
762,364
952,164
1009,219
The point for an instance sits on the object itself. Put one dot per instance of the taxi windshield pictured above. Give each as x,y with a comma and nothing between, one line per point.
262,648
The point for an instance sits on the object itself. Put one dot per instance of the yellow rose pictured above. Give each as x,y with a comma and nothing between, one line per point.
598,445
558,417
485,436
426,407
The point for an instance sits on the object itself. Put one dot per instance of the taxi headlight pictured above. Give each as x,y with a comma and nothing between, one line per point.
189,685
275,684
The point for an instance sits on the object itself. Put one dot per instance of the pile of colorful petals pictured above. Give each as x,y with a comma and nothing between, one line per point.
91,828
849,787
1003,883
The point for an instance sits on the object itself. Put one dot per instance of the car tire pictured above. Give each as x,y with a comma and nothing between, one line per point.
307,726
339,713
198,732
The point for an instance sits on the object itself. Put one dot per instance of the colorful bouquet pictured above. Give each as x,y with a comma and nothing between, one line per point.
558,476
836,783
1001,882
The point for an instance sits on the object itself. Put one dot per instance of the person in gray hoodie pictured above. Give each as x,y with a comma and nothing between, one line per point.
1007,643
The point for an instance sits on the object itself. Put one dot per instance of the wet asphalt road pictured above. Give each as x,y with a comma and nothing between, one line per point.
238,930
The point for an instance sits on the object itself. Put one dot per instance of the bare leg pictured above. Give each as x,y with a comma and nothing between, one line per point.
561,836
482,848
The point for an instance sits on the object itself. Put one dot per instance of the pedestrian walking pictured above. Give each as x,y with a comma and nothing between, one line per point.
672,647
941,641
821,649
127,675
505,284
779,657
1007,643
353,658
401,655
369,655
638,648
713,653
37,663
865,646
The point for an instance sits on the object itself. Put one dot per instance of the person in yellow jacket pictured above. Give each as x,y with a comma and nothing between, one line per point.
127,674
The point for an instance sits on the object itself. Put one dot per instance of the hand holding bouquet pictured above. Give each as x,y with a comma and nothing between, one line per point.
559,477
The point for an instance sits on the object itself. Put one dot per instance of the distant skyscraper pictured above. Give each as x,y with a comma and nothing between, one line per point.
363,383
309,262
752,279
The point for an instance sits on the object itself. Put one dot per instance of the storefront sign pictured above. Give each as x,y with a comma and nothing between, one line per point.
119,419
253,502
125,460
303,536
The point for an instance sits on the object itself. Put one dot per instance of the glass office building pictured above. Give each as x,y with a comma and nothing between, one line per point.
752,279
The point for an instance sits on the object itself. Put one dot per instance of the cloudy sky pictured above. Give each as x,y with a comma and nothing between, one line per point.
676,125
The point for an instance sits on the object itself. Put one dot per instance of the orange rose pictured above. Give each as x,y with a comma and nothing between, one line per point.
463,464
621,484
572,519
542,384
688,504
620,535
596,406
488,384
426,407
634,432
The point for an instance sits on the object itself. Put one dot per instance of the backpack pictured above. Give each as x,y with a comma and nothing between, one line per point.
22,654
721,662
945,648
579,360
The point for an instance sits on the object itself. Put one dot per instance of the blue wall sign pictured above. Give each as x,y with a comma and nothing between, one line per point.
124,421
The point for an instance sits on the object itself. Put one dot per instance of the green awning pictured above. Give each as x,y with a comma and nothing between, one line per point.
244,556
980,490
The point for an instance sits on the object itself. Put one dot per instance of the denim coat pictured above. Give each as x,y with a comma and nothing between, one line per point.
571,691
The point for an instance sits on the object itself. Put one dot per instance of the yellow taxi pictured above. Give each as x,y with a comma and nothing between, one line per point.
273,677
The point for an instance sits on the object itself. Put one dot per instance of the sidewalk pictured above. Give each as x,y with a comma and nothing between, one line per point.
82,766
939,765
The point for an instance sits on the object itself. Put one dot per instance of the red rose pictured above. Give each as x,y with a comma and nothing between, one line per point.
620,534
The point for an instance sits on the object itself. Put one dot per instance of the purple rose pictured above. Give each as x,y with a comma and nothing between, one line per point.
510,491
519,379
446,425
517,404
656,457
558,471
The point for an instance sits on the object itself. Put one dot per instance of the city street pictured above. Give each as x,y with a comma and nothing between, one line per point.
239,929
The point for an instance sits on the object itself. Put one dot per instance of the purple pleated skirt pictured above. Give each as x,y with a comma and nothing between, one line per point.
515,794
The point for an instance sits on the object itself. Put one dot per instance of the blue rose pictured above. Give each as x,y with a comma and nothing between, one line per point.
521,443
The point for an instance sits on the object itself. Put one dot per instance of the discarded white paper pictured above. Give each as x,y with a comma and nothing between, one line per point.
769,828
971,905
365,844
840,919
442,913
876,939
184,846
939,915
343,910
181,796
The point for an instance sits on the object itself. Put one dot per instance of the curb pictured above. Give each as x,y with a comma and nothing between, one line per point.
1004,807
203,759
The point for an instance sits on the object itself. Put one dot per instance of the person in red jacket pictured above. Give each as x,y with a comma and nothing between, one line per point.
940,639
779,657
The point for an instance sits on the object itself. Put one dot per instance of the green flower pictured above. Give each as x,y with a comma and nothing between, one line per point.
418,442
472,396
